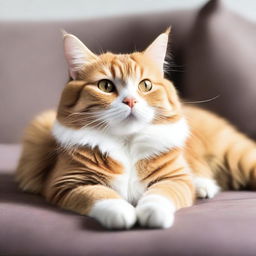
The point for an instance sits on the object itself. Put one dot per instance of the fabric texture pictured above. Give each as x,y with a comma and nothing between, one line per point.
220,60
30,226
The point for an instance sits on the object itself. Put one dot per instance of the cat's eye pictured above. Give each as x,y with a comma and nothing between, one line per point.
145,85
106,85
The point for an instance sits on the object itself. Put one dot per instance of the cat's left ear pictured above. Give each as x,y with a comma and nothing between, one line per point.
157,50
76,53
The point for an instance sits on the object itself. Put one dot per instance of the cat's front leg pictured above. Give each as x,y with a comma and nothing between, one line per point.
157,207
97,201
114,213
155,211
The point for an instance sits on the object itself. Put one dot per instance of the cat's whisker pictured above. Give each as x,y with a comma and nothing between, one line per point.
112,114
202,101
92,122
161,114
97,119
83,114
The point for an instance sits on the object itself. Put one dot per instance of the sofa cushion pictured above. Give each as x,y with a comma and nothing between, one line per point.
220,59
224,225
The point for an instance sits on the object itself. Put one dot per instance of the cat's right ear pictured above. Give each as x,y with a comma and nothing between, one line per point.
76,53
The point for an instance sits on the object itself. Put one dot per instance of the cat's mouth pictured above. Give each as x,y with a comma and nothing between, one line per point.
131,117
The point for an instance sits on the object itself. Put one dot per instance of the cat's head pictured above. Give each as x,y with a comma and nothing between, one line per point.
117,93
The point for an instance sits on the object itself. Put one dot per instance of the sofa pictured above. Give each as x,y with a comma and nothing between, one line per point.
213,60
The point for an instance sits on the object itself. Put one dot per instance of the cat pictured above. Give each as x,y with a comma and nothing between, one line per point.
123,148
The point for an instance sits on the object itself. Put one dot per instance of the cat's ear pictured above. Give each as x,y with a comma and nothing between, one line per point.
157,50
76,53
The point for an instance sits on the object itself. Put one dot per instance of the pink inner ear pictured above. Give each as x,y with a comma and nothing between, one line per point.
157,50
76,53
73,52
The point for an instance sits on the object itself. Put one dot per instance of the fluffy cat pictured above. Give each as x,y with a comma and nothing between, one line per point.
122,148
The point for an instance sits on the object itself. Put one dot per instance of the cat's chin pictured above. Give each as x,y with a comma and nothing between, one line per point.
128,127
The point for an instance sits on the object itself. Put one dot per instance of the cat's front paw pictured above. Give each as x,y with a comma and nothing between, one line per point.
155,211
205,187
114,213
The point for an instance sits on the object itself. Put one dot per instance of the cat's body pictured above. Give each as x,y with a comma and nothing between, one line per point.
142,162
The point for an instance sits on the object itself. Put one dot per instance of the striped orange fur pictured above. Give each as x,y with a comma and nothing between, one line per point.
121,164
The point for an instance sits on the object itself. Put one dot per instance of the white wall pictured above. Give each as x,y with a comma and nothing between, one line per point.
72,9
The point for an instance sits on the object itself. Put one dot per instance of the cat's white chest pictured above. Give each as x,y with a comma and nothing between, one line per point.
147,144
127,184
152,141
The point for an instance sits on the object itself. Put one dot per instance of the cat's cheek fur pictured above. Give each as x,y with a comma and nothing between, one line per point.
114,213
155,211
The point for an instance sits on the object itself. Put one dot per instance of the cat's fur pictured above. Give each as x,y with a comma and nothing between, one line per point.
99,157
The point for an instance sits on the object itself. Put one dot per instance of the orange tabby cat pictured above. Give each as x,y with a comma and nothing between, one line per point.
122,148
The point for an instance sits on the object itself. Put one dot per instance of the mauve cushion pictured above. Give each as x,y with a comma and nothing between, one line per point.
224,225
220,59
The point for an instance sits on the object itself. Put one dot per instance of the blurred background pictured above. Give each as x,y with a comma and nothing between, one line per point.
77,9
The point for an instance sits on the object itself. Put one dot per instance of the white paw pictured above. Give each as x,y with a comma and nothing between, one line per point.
114,213
206,188
155,211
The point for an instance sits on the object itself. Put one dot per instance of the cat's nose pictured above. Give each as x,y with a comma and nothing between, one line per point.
129,101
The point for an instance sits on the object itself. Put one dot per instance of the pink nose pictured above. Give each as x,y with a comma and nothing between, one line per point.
129,101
